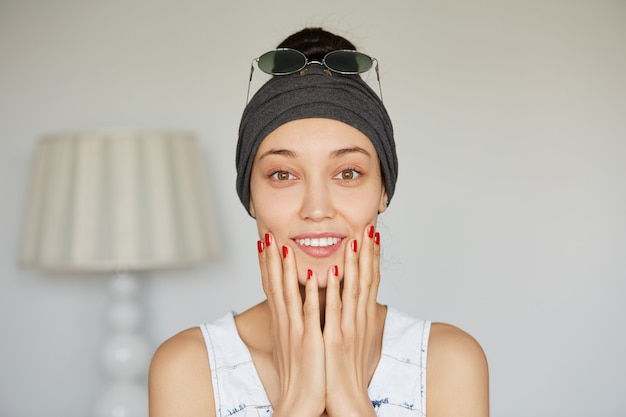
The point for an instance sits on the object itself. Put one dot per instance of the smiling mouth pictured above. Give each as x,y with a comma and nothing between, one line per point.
322,242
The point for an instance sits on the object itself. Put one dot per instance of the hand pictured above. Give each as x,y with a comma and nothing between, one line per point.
352,329
295,327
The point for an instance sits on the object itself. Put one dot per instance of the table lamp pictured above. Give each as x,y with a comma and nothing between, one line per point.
121,201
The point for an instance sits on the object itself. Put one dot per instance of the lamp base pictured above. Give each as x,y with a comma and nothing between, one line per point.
125,355
122,399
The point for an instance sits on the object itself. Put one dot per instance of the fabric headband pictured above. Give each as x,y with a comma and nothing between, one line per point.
346,98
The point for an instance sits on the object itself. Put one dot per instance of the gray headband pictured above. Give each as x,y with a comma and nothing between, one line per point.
282,99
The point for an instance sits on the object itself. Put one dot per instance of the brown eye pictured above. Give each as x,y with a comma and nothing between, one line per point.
282,176
348,174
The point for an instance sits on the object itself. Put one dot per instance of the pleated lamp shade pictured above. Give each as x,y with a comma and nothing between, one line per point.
118,200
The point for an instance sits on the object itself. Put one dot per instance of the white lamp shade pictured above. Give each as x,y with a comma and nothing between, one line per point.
118,199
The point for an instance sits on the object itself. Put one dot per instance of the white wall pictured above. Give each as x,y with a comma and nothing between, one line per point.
509,218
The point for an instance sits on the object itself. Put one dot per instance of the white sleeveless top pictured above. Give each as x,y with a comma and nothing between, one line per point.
398,387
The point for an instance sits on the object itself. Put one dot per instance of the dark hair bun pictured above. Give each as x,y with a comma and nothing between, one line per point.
315,43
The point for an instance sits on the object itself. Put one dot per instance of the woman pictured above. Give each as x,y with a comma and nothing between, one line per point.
316,164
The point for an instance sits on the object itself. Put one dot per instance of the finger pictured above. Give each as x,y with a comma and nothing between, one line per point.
311,304
373,293
367,267
333,307
260,245
268,288
291,288
274,279
351,284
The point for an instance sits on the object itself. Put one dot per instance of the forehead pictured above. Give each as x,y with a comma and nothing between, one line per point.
315,135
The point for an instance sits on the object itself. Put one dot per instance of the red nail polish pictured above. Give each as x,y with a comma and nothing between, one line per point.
260,246
377,238
268,240
285,251
309,274
335,270
370,231
353,244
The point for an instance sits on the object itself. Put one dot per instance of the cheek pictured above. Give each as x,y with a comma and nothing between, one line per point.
362,208
272,211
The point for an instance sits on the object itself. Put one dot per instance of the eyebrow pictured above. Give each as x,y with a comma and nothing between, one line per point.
334,154
281,152
345,151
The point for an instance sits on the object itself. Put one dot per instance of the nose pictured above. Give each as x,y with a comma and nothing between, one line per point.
317,201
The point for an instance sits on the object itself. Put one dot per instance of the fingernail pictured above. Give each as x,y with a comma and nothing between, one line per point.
335,270
309,274
377,238
268,239
370,231
285,251
353,244
260,246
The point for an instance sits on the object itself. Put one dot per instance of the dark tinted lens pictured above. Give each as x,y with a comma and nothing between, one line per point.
282,61
348,62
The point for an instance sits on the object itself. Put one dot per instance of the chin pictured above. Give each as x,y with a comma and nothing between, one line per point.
321,270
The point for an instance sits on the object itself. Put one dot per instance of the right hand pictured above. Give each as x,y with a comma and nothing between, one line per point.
295,325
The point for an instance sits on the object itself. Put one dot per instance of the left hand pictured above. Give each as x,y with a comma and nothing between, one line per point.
352,329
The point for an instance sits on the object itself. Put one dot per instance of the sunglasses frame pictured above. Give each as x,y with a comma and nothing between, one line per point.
373,62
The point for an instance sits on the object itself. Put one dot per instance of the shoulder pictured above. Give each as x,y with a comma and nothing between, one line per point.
185,349
449,343
180,377
457,374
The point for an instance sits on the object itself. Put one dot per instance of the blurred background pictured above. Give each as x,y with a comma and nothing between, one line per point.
509,219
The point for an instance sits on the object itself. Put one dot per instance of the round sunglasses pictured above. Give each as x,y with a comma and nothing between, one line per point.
286,61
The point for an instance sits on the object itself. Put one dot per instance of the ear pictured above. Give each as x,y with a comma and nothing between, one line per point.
252,211
384,202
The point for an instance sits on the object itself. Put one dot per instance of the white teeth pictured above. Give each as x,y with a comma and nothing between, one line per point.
319,242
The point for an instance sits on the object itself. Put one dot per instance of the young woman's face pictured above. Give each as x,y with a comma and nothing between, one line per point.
315,185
